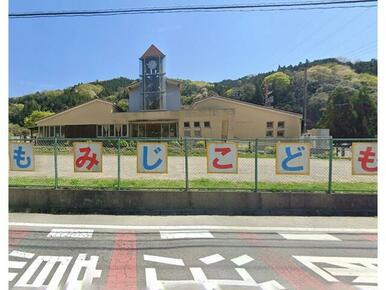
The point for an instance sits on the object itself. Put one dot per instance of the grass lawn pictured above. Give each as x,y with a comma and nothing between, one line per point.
193,184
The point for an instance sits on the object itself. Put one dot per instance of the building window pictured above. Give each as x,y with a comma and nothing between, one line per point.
141,130
105,130
99,131
269,125
134,130
111,131
57,131
269,133
186,125
207,124
280,133
118,130
124,130
52,131
197,124
280,125
197,133
187,133
173,130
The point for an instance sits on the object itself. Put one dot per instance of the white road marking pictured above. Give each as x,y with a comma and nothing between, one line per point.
235,228
19,254
186,234
16,264
310,237
11,276
73,282
200,279
212,259
164,260
364,269
242,260
24,280
71,233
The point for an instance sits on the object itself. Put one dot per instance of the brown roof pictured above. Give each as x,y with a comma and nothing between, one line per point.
152,51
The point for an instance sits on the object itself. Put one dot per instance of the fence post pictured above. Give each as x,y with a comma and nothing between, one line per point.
56,161
119,163
331,145
186,165
256,165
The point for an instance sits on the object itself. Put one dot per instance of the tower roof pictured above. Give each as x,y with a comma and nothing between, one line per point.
152,51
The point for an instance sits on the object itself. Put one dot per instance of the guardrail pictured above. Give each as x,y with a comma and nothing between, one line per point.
188,168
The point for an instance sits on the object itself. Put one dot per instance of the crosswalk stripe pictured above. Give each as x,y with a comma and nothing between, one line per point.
212,259
242,260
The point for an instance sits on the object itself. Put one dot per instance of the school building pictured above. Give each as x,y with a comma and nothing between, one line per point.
155,110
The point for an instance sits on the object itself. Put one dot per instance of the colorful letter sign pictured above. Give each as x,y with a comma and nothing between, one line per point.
222,157
293,158
152,158
88,157
364,159
21,157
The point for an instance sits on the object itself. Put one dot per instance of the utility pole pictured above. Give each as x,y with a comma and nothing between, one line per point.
305,100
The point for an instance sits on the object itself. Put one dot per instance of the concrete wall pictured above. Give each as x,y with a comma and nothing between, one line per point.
181,202
250,121
135,100
173,97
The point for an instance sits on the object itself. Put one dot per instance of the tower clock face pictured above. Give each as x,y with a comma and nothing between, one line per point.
152,64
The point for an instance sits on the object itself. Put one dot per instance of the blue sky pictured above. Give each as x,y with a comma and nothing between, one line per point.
54,53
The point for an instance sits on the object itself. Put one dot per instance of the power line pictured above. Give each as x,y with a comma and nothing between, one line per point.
184,9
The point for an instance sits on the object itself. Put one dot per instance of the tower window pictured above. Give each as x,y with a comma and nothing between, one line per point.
269,125
207,124
186,125
197,124
280,125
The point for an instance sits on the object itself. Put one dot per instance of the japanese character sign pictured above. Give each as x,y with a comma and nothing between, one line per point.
222,157
364,158
152,157
88,157
293,158
21,157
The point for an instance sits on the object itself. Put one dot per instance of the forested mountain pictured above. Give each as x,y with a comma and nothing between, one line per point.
342,96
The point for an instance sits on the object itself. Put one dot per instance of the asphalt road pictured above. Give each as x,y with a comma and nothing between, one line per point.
191,252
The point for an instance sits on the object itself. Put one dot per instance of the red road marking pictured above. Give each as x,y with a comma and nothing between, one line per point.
122,272
15,236
289,271
371,238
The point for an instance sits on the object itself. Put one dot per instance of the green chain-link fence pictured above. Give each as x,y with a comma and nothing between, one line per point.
330,166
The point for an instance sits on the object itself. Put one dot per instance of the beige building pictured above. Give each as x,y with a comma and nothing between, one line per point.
155,111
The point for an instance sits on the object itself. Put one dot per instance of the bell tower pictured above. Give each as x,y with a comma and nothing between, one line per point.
153,79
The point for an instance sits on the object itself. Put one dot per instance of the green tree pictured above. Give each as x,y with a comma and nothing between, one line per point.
279,83
15,113
35,116
16,130
365,111
123,105
339,116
